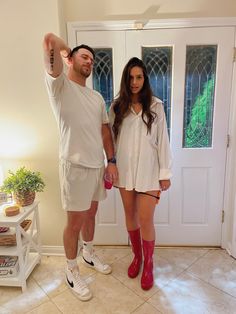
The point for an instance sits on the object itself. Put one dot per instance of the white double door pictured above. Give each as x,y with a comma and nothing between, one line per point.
190,213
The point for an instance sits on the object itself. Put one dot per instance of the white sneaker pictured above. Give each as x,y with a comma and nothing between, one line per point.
77,284
93,261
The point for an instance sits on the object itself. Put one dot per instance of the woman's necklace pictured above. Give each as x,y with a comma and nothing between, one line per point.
137,107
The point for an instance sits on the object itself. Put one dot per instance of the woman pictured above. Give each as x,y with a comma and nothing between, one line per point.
143,161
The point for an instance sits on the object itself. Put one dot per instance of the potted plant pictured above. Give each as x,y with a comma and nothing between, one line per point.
23,184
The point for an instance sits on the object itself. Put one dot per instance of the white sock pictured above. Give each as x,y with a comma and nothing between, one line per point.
80,246
88,246
72,263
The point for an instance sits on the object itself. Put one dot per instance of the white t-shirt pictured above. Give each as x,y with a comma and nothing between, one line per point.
80,113
142,159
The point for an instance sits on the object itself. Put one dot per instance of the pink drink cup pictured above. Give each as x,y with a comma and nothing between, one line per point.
107,183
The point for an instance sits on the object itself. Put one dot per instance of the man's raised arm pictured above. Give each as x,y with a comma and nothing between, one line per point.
54,50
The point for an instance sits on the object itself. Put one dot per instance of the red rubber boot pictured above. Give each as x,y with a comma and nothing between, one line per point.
135,239
147,275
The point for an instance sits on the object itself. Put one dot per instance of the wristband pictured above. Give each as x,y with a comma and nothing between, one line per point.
112,160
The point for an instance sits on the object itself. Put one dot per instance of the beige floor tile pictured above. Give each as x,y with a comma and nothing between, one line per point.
107,255
68,303
50,275
146,309
119,268
5,311
111,255
187,280
110,296
9,293
181,257
13,300
189,295
114,295
46,308
164,271
218,269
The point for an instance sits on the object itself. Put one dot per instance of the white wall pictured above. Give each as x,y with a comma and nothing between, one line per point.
90,10
28,134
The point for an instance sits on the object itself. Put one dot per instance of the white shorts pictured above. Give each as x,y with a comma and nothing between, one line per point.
80,186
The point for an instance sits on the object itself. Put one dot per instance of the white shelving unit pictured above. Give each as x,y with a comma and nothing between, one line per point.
28,245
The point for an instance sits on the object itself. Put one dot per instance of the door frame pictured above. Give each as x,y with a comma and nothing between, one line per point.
228,237
229,225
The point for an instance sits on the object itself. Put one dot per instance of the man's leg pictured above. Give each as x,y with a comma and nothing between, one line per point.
88,227
75,222
89,257
72,230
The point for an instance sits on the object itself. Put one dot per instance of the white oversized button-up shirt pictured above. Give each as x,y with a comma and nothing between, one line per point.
143,158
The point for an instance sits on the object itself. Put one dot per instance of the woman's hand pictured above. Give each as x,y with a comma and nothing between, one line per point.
165,184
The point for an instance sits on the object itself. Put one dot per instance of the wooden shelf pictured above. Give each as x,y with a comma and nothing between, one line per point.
28,245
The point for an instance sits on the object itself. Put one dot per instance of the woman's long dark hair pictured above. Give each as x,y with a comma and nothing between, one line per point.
122,103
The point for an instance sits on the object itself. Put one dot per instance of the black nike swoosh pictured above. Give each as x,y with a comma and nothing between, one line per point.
70,283
90,263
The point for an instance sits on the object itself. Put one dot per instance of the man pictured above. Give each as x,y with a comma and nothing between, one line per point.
84,132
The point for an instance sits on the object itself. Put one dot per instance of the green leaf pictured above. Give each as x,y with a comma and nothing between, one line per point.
23,180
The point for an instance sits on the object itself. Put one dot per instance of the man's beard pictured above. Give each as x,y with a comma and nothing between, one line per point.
85,73
82,71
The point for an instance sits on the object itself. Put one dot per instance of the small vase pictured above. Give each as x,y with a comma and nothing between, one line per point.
24,198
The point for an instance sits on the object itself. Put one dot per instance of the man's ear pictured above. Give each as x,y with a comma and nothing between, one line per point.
68,61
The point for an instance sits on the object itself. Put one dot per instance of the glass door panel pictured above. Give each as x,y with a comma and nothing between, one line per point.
199,96
158,61
103,74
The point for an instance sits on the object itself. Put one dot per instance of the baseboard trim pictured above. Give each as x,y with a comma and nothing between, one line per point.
59,250
229,250
52,250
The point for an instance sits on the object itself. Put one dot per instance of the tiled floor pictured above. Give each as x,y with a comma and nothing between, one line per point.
187,280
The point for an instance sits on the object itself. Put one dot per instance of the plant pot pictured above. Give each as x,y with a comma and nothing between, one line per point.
24,198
